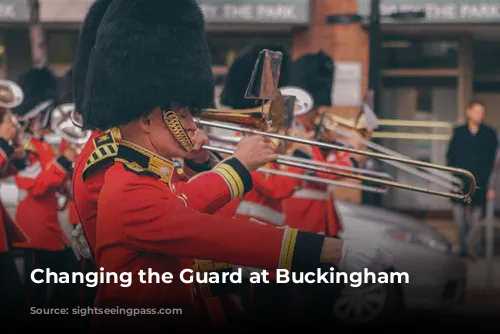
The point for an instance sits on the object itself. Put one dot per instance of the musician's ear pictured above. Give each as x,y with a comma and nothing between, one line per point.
146,121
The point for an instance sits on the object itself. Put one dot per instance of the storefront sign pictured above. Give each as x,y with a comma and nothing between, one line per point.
256,11
14,11
438,11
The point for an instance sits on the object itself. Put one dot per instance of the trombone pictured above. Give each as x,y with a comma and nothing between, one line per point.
260,125
235,139
325,181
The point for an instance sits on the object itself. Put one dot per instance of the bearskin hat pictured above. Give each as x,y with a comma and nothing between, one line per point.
40,92
147,54
86,41
314,73
238,76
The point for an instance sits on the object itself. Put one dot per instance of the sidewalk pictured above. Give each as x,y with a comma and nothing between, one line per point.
483,286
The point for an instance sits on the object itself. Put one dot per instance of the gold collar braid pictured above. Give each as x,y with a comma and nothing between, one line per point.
139,160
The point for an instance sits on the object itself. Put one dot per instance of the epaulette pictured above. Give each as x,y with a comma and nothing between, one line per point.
29,146
105,149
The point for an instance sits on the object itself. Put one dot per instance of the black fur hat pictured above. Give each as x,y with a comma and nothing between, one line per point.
314,73
40,93
238,76
147,54
86,41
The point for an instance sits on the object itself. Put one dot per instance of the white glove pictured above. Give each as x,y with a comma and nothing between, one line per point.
79,243
360,255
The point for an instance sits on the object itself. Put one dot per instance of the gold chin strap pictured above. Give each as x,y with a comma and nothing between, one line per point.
175,126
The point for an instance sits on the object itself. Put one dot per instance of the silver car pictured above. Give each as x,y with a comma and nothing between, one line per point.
437,275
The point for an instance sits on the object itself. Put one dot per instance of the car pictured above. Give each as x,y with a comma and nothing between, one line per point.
437,275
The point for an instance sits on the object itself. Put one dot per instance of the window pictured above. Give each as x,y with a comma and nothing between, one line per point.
416,53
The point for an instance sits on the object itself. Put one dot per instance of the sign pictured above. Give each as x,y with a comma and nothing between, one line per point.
437,11
347,84
14,11
256,11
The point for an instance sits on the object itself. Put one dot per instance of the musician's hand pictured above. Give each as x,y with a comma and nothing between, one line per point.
255,151
70,154
198,155
79,243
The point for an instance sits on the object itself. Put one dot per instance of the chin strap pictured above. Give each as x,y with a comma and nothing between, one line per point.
175,126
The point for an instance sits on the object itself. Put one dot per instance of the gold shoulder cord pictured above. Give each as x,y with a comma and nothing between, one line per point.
175,126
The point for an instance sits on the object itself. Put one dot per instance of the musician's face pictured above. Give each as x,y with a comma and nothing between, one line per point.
164,142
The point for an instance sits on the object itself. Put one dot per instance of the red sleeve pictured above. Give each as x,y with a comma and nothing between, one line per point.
161,223
210,191
37,180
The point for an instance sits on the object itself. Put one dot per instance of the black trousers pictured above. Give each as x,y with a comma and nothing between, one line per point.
13,310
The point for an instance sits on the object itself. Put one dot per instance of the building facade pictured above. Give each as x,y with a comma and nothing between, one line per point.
433,63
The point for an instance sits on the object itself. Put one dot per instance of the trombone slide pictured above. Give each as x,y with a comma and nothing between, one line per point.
465,197
325,181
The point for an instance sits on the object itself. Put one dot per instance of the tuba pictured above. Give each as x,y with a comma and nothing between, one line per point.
62,125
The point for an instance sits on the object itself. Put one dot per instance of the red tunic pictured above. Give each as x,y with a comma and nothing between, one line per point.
312,208
10,232
144,222
37,212
86,186
264,201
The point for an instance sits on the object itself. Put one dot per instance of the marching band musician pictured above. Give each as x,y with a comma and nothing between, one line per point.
312,208
264,202
144,222
38,183
13,158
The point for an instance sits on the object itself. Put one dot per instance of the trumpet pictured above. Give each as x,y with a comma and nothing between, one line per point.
62,124
262,118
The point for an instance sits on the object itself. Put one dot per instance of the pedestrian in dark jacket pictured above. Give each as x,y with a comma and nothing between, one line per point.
473,147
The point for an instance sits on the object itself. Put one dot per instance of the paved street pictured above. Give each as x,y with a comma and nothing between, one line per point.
483,290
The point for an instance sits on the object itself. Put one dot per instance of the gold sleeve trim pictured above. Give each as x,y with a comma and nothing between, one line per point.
288,248
233,179
203,266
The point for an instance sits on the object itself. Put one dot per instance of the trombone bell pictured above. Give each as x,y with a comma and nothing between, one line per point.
271,117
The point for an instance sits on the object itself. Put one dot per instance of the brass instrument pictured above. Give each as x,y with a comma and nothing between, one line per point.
343,127
235,139
257,130
11,94
316,179
62,125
